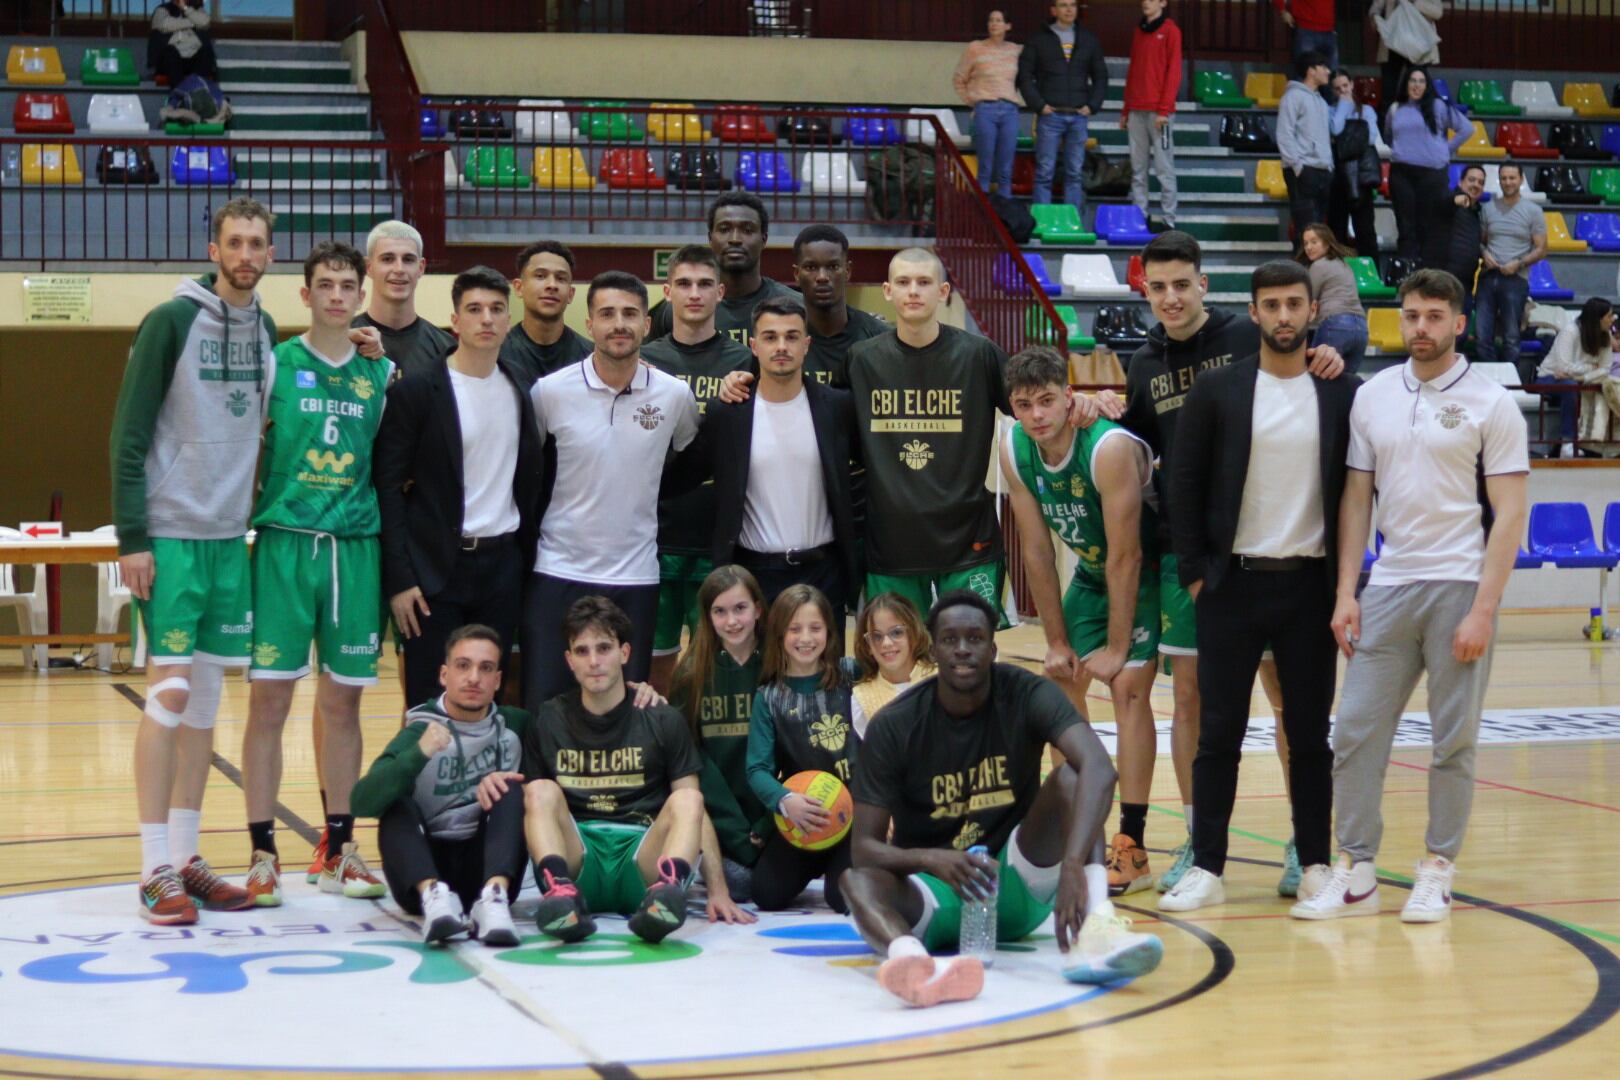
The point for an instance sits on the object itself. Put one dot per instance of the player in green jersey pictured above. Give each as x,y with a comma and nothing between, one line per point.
1088,486
316,565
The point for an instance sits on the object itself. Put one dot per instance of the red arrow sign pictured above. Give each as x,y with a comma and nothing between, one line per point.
38,529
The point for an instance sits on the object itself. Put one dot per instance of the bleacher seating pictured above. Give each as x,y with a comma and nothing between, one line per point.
1559,237
1060,223
1091,276
1442,90
51,164
1009,280
1268,179
1506,375
1478,146
1075,337
1575,142
1522,139
1611,528
696,170
831,172
432,127
1610,141
562,168
1562,183
1484,98
469,121
1605,183
1023,175
865,130
1136,275
116,112
921,131
681,124
1123,225
1544,284
741,124
1600,231
125,165
1369,286
452,171
804,129
109,66
1586,98
1396,269
608,124
1537,97
629,169
175,127
1561,533
41,113
1265,88
1369,90
548,124
1384,330
1119,327
1217,90
201,165
34,65
765,170
494,166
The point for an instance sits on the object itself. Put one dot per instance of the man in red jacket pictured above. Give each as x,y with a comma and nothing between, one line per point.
1150,101
1313,27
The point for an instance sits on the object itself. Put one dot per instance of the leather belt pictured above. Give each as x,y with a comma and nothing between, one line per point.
776,560
475,543
1276,566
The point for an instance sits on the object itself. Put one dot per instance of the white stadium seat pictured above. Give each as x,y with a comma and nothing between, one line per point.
831,173
550,126
1091,276
922,131
1537,97
116,112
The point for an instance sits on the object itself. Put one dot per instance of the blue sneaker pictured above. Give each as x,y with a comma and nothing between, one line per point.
1106,950
1289,884
1182,860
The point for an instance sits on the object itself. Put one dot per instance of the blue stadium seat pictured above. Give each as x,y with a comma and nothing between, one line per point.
1611,139
765,170
1442,90
1009,280
201,165
432,126
1561,533
1544,286
1526,561
1600,231
861,131
1611,529
1122,225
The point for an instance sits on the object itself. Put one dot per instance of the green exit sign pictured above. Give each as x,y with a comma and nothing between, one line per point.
661,257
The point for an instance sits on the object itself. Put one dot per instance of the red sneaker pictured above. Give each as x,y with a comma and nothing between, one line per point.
318,861
264,880
211,891
164,900
348,874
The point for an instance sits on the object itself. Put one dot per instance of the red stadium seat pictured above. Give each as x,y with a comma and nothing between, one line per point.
1369,90
1522,138
1383,183
40,113
742,124
1023,175
1136,275
632,169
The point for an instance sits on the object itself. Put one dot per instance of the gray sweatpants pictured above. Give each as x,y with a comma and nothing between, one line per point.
1405,631
1146,142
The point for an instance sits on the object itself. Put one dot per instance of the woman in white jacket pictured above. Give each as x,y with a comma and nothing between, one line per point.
1581,354
1394,65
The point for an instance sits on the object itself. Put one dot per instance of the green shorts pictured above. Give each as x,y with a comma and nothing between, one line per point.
989,580
679,577
1085,614
1024,896
609,879
310,588
202,602
1178,626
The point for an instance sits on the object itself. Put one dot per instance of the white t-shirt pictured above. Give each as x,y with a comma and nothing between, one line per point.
1429,446
601,526
488,412
1281,515
785,507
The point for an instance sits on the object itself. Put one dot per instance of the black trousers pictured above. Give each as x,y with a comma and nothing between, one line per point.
411,856
783,871
1417,193
545,671
1307,197
1343,212
774,575
485,586
1290,612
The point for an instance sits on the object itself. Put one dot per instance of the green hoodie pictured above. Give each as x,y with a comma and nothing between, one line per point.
722,727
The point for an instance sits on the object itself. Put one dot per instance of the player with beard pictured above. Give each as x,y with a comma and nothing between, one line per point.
541,342
394,266
738,227
822,267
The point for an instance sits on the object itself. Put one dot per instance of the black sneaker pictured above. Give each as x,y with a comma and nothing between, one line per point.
562,913
663,909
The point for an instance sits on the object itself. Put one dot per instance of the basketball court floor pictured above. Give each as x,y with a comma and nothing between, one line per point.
1524,979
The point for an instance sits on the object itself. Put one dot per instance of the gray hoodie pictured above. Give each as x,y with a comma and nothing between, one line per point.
1303,137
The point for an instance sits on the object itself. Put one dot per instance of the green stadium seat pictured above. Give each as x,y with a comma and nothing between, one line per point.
1605,182
1217,89
108,67
1369,286
1059,223
1484,97
495,166
609,125
1075,337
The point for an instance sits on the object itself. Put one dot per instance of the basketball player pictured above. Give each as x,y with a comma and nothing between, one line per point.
541,342
955,763
394,265
822,266
738,227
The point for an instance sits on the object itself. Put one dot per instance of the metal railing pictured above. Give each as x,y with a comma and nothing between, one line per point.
1546,434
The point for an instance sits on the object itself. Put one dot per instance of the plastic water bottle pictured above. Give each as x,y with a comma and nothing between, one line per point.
11,164
978,932
1594,626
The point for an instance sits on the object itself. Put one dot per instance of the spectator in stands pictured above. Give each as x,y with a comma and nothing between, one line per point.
540,342
1514,234
1419,153
1454,235
179,44
1305,141
1312,22
986,79
1341,321
1064,79
1580,355
1150,102
1394,64
1356,172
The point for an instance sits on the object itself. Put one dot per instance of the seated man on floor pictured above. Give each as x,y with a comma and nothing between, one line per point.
613,812
446,843
954,764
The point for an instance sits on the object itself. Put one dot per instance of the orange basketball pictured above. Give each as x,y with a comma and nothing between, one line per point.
831,793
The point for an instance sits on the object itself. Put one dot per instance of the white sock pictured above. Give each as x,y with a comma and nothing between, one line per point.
906,945
154,848
1186,811
1096,887
184,825
493,890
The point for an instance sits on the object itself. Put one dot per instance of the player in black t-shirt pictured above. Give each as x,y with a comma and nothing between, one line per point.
822,265
541,343
738,226
955,763
395,266
612,811
699,354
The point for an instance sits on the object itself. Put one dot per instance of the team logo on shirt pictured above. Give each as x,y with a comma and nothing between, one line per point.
327,461
265,654
237,403
649,416
1451,416
177,641
916,454
306,380
1077,487
602,804
829,733
972,832
362,387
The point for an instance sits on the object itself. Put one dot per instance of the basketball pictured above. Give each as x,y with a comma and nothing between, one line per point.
830,792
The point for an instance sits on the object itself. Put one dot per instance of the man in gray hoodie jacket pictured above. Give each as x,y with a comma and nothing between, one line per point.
1304,142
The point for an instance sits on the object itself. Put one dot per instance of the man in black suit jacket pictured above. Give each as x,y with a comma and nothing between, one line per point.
1256,481
781,466
458,472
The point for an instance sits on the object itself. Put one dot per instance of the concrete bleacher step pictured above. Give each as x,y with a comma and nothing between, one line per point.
1230,226
278,118
1207,181
1185,135
303,216
285,165
251,70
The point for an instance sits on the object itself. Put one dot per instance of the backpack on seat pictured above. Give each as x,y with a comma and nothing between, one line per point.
196,101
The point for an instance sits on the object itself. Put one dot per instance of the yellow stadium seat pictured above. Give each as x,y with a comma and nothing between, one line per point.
1478,146
972,163
1265,87
1268,179
1586,98
562,167
1559,237
50,163
1384,329
683,126
35,65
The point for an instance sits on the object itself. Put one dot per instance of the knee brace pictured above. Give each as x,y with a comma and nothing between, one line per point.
162,716
207,683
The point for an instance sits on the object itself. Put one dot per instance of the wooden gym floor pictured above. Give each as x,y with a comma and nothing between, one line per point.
1525,977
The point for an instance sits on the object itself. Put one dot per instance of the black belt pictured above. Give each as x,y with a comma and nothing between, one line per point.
1277,566
778,560
478,543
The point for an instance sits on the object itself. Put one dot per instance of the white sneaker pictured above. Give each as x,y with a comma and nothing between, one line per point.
442,918
1107,950
1313,878
1197,888
1431,891
1349,889
492,918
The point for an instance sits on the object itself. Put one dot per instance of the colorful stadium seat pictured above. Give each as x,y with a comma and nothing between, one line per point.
452,171
1538,98
1217,90
765,170
1561,533
804,129
1575,142
545,125
1442,90
34,65
625,168
41,113
561,168
605,123
1600,231
741,124
116,112
1544,286
1039,329
1562,183
1268,179
51,163
1611,139
201,165
696,170
1605,183
472,121
1023,176
921,131
831,173
1136,275
494,166
1477,146
1522,139
1369,286
431,126
1059,223
109,66
1369,90
1587,100
1559,237
1008,279
125,165
862,130
1122,225
174,127
681,124
1265,88
1484,98
1092,276
1384,329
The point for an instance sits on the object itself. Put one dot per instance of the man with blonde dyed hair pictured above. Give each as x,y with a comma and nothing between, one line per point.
395,265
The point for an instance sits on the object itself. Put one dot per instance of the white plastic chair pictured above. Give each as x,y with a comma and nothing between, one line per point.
922,131
831,173
452,171
112,597
551,126
116,112
1537,97
33,611
1506,374
1091,276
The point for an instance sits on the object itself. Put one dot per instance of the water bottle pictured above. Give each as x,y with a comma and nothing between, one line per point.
11,164
1594,627
978,934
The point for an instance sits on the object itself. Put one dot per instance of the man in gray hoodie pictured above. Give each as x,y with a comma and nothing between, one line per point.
185,441
1304,142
